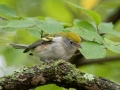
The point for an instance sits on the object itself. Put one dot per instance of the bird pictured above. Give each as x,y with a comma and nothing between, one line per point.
61,45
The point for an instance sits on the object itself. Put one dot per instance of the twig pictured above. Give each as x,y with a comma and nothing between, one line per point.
98,61
115,17
80,61
3,18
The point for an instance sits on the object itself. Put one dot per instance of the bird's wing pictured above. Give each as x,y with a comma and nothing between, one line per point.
38,43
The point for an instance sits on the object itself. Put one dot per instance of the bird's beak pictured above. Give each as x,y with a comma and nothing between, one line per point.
79,46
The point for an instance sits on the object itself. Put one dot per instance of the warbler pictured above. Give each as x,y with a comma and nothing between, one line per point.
53,47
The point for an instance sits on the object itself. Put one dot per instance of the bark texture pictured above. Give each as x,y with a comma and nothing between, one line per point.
60,73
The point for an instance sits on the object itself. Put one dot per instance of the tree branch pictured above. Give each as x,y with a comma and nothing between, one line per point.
60,73
115,17
78,60
99,61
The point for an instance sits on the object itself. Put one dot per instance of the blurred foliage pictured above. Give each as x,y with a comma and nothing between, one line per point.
22,20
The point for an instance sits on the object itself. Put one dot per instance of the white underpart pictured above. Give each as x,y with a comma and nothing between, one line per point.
55,51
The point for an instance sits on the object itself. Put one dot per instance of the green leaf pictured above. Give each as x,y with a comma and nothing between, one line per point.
17,25
34,32
87,31
92,50
91,14
20,24
50,25
108,28
50,86
89,35
85,25
1,87
6,11
113,46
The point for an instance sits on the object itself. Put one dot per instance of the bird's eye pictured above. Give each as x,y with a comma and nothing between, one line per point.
70,41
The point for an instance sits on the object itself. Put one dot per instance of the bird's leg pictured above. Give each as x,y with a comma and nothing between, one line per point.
49,61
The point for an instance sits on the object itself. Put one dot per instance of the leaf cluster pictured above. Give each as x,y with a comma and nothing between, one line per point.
92,32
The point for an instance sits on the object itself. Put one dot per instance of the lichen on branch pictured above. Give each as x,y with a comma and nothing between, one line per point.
59,72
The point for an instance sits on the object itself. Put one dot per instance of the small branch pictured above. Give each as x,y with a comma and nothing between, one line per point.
99,61
82,61
103,60
3,18
115,17
61,73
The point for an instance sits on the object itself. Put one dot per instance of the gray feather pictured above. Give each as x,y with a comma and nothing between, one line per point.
19,46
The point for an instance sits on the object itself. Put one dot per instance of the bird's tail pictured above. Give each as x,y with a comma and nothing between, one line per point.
19,46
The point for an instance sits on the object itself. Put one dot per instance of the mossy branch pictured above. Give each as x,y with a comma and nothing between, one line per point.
60,73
